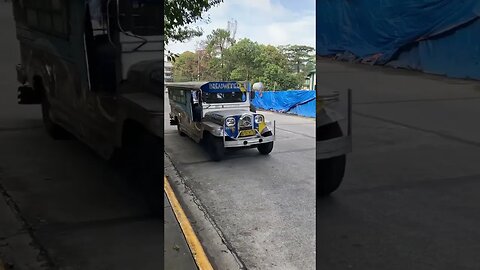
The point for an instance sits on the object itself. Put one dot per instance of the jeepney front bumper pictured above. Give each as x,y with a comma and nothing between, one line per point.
340,145
248,141
334,147
251,140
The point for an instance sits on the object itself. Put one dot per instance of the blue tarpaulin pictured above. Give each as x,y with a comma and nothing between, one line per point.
300,102
436,36
437,57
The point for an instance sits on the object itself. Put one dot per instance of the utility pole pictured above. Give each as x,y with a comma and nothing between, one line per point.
198,65
199,59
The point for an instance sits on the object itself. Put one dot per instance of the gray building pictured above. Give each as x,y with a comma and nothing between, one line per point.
168,71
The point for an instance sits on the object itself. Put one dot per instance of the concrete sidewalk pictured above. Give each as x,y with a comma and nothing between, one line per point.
176,251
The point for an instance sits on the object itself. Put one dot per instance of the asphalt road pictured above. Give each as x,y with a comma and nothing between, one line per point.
263,205
67,208
410,197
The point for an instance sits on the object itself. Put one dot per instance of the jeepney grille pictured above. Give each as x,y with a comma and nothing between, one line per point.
245,122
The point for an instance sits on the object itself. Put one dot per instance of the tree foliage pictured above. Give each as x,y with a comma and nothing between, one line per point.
179,14
300,57
223,58
185,67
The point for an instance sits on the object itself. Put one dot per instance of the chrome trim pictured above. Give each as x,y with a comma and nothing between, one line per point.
334,147
252,140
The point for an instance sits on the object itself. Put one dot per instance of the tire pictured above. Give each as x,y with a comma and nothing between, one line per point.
330,174
265,148
54,130
215,148
144,167
179,131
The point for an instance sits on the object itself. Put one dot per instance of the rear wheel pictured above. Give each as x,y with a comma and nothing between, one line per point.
54,130
180,132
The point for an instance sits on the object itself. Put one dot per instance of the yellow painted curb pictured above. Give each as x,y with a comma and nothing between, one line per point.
196,248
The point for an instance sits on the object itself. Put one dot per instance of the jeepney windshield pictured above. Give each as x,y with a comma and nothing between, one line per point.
141,17
138,18
224,97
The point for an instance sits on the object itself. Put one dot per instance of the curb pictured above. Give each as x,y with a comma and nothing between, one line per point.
196,248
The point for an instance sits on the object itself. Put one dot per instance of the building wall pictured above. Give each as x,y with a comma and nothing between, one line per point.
168,71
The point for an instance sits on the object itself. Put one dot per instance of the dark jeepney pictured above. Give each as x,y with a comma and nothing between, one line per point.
333,137
96,68
220,115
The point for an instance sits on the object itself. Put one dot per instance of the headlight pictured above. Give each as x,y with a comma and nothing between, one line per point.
259,118
230,122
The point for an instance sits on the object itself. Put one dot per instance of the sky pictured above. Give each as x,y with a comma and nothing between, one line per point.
274,22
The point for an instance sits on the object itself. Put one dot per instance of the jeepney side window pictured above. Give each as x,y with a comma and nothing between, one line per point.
195,97
97,9
177,96
19,11
49,16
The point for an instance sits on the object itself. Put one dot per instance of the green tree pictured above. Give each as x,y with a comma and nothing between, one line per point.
180,13
270,54
185,67
300,57
241,58
216,44
248,60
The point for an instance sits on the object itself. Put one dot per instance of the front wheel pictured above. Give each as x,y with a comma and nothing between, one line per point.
265,148
143,164
330,174
215,148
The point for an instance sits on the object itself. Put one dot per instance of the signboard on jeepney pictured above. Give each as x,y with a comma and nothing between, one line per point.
224,87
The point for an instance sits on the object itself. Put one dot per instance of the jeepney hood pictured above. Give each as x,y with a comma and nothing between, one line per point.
145,76
219,116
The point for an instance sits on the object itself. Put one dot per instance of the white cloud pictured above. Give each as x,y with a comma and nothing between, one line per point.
263,21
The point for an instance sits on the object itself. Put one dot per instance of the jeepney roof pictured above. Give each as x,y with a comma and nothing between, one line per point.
189,85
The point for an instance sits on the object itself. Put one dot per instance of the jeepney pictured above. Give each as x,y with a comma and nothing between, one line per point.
96,68
333,136
219,115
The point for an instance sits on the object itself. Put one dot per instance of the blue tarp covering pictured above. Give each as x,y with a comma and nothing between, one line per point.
436,55
300,102
438,36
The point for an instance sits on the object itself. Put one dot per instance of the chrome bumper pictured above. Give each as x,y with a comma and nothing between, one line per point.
248,141
334,147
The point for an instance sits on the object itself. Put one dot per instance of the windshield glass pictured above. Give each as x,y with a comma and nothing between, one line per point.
225,97
141,17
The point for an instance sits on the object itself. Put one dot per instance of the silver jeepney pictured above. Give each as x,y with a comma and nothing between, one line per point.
219,114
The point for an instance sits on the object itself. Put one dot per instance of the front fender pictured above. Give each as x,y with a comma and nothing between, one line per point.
327,116
213,128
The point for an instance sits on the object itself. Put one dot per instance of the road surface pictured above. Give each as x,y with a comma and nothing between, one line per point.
410,196
263,205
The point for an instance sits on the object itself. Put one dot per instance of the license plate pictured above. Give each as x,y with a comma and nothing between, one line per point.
246,133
